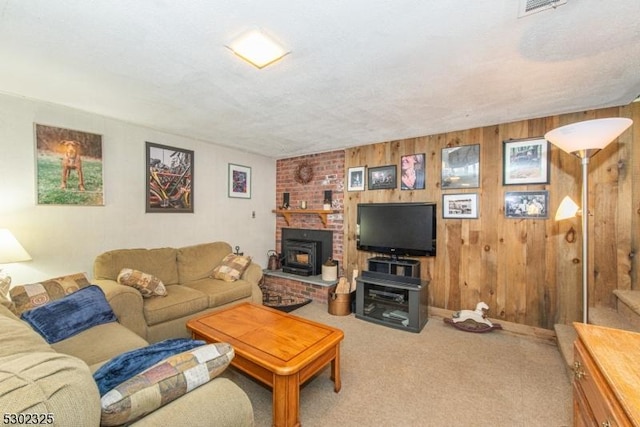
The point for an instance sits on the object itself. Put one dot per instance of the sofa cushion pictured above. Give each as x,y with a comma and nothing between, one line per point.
49,383
231,267
17,336
130,363
148,284
83,345
198,261
26,297
70,315
220,292
164,382
180,301
160,262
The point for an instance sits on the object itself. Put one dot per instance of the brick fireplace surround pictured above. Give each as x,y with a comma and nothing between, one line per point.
328,174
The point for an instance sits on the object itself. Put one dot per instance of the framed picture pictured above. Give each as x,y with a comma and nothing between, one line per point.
355,179
412,172
239,181
169,185
461,167
526,204
382,177
460,205
68,167
525,161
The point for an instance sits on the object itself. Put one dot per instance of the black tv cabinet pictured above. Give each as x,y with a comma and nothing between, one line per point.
395,266
399,302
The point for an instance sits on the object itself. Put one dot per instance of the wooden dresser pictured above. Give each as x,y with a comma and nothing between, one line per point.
606,370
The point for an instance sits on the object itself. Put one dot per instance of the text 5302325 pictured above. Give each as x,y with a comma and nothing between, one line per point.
27,418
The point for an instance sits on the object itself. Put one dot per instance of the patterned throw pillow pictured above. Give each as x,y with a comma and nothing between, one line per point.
231,267
26,297
164,382
148,284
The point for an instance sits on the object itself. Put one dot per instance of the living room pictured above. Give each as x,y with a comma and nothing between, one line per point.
527,270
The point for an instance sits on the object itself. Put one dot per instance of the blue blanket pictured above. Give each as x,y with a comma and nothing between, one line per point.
122,367
71,314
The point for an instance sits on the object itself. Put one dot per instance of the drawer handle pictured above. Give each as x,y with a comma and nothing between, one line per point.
578,372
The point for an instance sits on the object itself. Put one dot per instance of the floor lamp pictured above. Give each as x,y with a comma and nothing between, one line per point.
584,140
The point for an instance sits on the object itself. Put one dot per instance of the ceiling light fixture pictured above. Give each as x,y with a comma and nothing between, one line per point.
257,48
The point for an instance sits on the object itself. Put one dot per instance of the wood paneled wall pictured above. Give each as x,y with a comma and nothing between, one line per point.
527,271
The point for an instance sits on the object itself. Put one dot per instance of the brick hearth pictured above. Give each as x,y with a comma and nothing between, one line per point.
300,286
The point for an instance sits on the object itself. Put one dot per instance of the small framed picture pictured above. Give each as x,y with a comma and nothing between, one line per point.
382,177
460,205
169,179
525,161
461,167
355,179
526,204
239,181
412,172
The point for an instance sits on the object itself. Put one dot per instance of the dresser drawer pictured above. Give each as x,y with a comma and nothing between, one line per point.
592,390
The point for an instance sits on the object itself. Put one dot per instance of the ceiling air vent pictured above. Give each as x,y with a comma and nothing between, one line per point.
529,7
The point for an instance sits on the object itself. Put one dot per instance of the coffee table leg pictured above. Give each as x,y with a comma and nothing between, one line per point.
286,400
335,371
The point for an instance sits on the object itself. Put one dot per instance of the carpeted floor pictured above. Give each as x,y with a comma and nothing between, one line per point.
439,377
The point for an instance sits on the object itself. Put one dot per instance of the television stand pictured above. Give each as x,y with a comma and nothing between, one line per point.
399,302
395,266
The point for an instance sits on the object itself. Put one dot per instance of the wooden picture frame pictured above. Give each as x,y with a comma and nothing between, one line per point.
356,178
412,172
460,167
382,177
464,205
169,179
526,204
69,167
525,161
239,181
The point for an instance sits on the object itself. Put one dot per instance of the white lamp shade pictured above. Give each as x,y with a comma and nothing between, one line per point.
10,249
567,209
588,135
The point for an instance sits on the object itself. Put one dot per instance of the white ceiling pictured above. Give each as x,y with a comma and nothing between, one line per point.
359,72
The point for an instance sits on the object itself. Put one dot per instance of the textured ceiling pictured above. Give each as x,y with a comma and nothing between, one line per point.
359,72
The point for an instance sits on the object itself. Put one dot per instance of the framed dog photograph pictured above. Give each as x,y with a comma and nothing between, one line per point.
239,181
382,177
460,205
355,180
525,161
68,167
526,204
169,186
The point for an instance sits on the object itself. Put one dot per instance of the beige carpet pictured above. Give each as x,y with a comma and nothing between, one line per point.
439,377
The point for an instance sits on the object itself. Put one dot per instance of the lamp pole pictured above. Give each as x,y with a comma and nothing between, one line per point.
585,239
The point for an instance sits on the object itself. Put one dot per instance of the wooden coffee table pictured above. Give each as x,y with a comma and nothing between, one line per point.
276,348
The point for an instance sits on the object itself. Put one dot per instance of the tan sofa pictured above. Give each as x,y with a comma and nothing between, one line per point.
191,291
41,379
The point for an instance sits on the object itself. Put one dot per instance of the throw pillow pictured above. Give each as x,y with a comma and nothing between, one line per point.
70,315
26,297
148,284
164,382
231,267
128,364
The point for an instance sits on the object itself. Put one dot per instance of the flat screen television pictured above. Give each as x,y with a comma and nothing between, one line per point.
397,229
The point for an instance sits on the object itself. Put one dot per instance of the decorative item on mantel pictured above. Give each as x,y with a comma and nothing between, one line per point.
472,320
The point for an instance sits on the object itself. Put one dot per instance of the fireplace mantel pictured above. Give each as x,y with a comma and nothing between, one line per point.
323,214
